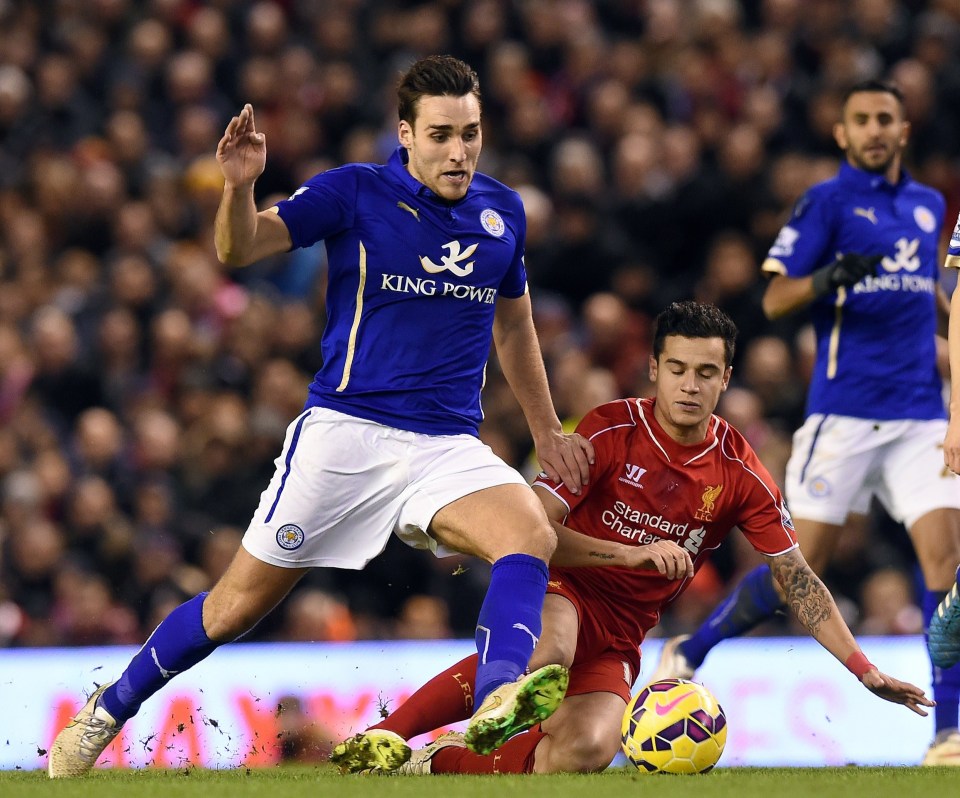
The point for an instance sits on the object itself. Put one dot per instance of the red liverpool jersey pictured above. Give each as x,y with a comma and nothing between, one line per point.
645,487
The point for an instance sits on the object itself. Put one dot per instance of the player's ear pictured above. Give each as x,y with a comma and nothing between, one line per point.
726,378
405,134
905,134
653,369
840,136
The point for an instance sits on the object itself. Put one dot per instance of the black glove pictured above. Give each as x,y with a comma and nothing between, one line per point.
845,271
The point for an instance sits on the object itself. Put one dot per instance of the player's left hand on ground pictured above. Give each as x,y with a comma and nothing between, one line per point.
890,689
566,458
665,556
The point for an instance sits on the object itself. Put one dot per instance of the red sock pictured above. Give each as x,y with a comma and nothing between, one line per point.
447,698
514,756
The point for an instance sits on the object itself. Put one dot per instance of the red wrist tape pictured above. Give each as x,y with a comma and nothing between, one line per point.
858,664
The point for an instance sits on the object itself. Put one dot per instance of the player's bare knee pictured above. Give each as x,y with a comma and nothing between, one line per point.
586,749
541,541
547,540
534,539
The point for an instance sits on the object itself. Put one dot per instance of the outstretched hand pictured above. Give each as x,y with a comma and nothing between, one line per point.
566,458
890,689
242,152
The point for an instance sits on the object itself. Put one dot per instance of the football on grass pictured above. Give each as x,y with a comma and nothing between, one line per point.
674,726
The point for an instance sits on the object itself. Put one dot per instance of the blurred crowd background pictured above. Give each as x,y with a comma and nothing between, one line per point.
658,146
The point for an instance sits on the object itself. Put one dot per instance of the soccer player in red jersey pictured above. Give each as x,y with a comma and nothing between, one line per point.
671,480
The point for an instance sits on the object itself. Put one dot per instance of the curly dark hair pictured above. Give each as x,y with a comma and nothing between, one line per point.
695,320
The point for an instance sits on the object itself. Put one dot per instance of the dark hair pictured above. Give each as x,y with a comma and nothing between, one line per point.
876,86
434,76
695,320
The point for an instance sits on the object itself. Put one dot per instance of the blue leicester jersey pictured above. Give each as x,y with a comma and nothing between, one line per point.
412,286
876,352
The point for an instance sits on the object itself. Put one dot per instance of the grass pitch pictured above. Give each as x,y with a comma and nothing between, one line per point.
310,782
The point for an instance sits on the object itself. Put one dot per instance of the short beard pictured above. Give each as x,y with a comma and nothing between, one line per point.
874,170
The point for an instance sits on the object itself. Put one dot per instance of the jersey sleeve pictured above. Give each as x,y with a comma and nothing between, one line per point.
764,518
802,245
952,260
514,282
321,207
600,420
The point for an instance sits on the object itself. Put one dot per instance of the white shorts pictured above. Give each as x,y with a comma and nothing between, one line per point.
838,463
343,484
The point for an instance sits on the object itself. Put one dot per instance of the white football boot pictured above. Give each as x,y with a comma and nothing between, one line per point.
515,707
77,748
420,762
672,664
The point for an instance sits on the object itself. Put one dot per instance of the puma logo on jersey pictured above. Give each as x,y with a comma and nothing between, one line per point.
451,261
867,213
404,207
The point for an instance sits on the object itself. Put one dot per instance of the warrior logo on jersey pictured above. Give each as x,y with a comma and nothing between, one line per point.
708,499
290,537
451,261
492,222
633,475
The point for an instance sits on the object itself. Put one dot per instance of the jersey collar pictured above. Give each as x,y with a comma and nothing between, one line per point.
673,451
397,165
869,181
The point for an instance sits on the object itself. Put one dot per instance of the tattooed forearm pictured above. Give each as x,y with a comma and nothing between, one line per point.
805,594
599,555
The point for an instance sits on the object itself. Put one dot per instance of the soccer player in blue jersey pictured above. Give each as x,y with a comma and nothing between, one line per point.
425,270
860,253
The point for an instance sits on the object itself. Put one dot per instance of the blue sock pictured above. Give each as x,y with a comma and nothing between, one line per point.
509,622
753,600
946,681
178,643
